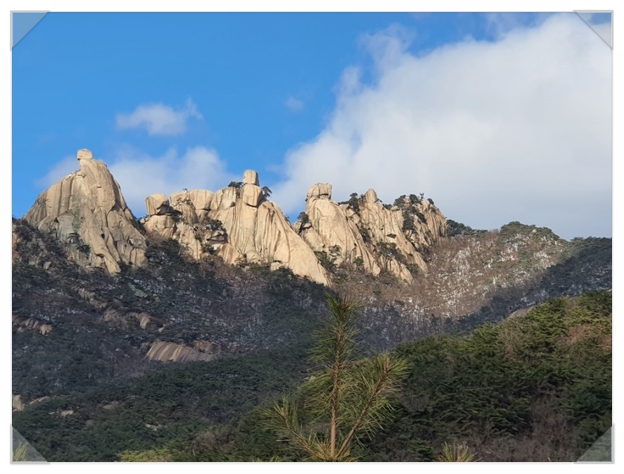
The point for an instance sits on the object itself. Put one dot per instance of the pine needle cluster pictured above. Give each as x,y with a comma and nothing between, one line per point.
456,453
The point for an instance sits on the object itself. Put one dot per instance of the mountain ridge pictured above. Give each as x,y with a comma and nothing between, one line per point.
75,320
88,214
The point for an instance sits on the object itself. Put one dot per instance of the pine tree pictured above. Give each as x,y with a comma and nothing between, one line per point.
346,399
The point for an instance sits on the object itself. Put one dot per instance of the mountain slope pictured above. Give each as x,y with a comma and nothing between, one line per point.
100,299
533,388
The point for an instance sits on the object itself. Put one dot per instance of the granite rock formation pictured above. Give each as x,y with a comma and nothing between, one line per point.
88,214
172,352
237,223
368,234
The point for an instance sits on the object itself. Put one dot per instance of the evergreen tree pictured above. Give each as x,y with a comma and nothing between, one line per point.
346,399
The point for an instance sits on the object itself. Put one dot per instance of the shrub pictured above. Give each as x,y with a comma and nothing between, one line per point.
303,218
213,224
456,453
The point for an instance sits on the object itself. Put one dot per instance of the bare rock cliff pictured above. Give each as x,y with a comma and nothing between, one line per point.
371,235
186,219
237,223
171,352
327,230
88,214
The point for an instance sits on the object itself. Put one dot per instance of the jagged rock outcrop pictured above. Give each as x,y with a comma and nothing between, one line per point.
18,404
31,324
423,223
186,218
365,232
201,199
237,223
88,214
157,204
327,230
172,352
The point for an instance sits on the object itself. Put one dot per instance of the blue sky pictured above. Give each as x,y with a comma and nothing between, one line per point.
358,100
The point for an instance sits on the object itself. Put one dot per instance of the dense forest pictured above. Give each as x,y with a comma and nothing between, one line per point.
535,387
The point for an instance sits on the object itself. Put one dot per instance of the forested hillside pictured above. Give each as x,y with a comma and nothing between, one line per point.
532,388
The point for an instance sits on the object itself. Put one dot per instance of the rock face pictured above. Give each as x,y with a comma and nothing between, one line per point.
237,223
186,218
327,230
172,352
88,214
31,324
368,234
18,405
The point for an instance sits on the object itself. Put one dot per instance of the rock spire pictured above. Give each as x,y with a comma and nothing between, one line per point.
87,212
238,223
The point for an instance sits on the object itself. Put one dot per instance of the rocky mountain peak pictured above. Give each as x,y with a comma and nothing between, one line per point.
368,234
86,211
251,177
320,191
237,223
370,197
84,154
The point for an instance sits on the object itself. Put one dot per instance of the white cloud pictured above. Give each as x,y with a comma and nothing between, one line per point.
66,166
499,24
159,119
293,104
140,175
518,129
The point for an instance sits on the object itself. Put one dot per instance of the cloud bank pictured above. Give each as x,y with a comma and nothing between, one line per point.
516,129
159,119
